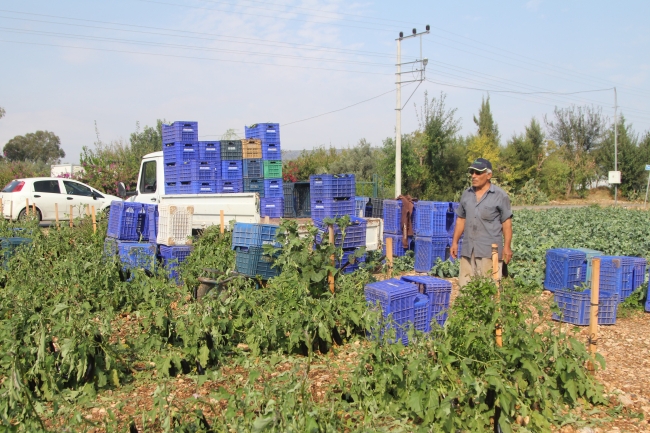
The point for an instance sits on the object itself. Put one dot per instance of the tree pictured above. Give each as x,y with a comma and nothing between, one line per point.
578,132
40,146
485,122
2,112
360,160
523,155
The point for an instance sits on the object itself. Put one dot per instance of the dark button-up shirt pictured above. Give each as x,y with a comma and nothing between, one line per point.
483,221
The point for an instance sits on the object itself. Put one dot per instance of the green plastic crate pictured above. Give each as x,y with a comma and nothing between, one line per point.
272,169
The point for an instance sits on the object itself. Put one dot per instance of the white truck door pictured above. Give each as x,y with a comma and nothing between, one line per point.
150,186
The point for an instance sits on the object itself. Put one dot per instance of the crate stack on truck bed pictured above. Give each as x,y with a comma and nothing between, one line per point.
433,224
263,172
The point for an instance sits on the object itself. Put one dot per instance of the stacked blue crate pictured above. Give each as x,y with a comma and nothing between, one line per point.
137,255
360,206
269,134
428,249
248,241
272,202
622,275
172,257
575,307
182,158
439,293
395,300
564,269
332,195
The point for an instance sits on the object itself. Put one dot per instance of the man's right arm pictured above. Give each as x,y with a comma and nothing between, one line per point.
458,232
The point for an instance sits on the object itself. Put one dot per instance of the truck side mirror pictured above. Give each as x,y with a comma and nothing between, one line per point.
121,190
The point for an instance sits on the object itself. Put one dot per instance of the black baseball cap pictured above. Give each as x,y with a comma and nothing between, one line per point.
481,164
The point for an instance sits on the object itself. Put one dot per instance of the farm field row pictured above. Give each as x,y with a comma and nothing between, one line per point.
83,348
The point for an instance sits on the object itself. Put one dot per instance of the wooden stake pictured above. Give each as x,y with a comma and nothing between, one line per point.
71,217
34,209
593,311
330,276
389,256
26,207
56,214
94,220
497,280
223,229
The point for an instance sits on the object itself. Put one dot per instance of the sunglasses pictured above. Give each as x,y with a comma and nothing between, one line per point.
472,171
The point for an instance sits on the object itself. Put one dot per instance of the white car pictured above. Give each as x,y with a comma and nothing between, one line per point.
45,192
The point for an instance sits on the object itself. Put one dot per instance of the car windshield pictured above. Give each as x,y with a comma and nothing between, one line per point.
12,185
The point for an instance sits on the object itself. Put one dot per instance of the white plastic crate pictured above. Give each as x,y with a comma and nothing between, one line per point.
174,225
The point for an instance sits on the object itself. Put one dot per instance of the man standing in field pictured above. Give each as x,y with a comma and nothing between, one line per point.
485,216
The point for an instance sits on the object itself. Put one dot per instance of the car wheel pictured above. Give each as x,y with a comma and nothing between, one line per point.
22,216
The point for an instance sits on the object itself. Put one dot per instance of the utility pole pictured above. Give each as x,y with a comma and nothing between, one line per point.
398,106
615,145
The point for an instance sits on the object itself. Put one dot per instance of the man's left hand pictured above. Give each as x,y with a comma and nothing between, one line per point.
507,254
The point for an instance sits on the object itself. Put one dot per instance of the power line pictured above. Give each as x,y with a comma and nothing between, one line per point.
189,57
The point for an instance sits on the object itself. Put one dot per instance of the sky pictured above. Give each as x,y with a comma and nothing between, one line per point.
324,70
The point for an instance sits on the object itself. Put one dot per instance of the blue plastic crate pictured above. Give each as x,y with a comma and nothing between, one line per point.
209,151
140,255
428,249
143,222
254,185
393,216
267,132
564,269
332,185
171,172
451,218
617,274
331,208
180,151
396,300
123,220
430,218
439,293
586,266
230,186
173,256
638,277
271,151
354,261
196,170
355,233
152,224
575,307
204,187
180,131
253,169
360,206
231,170
273,188
110,247
186,187
398,247
10,245
272,207
421,316
253,235
171,188
253,262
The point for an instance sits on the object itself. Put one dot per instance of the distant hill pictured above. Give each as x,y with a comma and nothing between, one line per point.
288,155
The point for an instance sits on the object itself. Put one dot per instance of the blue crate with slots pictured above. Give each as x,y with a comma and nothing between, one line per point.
430,217
271,151
205,187
231,150
647,300
152,222
272,207
10,246
137,255
110,247
621,274
230,186
421,315
439,293
231,170
428,249
349,262
564,269
395,300
331,208
143,222
267,132
253,169
575,307
451,218
180,131
171,188
392,215
255,235
254,185
172,257
186,187
210,150
355,233
171,172
273,188
586,266
332,185
253,262
180,151
196,170
123,220
360,206
398,246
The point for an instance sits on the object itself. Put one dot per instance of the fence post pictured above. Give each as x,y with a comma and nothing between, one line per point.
389,256
497,280
593,312
221,218
94,220
71,217
26,207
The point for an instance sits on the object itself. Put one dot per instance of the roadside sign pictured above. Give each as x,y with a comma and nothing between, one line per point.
647,167
614,177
